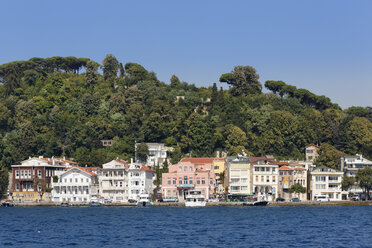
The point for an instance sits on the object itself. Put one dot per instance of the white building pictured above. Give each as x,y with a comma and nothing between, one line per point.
157,153
76,185
265,180
326,181
237,178
113,180
140,181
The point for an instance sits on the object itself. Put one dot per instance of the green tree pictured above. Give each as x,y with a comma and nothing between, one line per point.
110,67
364,179
274,86
347,183
243,79
329,156
297,188
4,180
91,75
236,140
142,150
175,82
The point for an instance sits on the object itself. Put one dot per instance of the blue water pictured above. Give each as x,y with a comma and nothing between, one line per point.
336,226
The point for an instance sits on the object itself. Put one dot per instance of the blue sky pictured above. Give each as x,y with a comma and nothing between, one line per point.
323,46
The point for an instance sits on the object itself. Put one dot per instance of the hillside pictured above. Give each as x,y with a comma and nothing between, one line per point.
65,106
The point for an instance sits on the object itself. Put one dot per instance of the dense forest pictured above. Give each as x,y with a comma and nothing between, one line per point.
64,106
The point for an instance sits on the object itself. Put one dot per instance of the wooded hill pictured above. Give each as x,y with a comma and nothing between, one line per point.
64,106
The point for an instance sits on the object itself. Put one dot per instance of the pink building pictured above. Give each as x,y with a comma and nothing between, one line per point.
186,176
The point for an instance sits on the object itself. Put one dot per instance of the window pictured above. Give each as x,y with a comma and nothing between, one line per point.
76,180
185,181
235,188
169,180
82,180
203,180
244,180
17,173
180,169
235,180
333,178
17,186
21,173
190,180
174,180
274,169
190,168
180,180
262,168
274,179
244,187
256,169
70,180
256,178
267,179
267,168
333,186
185,169
216,167
320,186
197,180
121,184
29,173
320,178
262,179
39,173
281,173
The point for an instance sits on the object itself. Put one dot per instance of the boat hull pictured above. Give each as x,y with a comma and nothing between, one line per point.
195,204
144,204
256,203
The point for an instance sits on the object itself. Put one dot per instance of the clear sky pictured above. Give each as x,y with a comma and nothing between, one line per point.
323,46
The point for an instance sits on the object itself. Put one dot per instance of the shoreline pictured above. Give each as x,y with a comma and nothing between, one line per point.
209,204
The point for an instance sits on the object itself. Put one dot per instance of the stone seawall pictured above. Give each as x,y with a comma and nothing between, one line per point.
209,204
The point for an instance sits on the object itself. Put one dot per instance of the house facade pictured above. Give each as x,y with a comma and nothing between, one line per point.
31,180
288,176
326,181
140,180
76,185
311,152
157,154
238,177
186,176
113,180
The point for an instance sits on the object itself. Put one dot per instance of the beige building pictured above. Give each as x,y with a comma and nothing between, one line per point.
290,175
311,152
238,177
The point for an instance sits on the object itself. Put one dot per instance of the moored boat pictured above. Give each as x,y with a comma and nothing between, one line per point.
195,198
144,200
253,200
7,204
95,202
65,204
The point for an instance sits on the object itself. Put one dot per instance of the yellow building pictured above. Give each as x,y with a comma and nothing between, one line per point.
218,170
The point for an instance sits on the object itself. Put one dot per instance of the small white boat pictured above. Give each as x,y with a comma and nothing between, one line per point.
144,200
7,204
253,200
95,202
195,199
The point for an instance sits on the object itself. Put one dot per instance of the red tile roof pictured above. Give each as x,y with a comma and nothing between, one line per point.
300,168
285,168
84,169
143,168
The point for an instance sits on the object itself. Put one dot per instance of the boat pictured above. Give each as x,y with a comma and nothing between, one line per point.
195,198
95,202
253,200
7,204
144,200
65,204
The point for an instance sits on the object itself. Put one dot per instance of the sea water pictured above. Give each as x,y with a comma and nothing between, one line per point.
302,226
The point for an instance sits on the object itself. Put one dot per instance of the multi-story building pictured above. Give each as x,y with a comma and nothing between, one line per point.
218,167
238,176
76,185
157,154
113,180
289,175
31,180
186,176
326,181
265,174
311,152
140,180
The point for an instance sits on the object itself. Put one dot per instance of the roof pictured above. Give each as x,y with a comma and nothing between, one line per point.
121,161
50,160
299,169
285,168
269,159
312,145
201,160
84,169
143,168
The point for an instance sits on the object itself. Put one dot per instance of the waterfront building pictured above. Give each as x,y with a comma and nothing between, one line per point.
326,181
311,152
113,180
350,166
238,176
265,173
76,185
218,167
31,180
289,175
186,176
140,180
